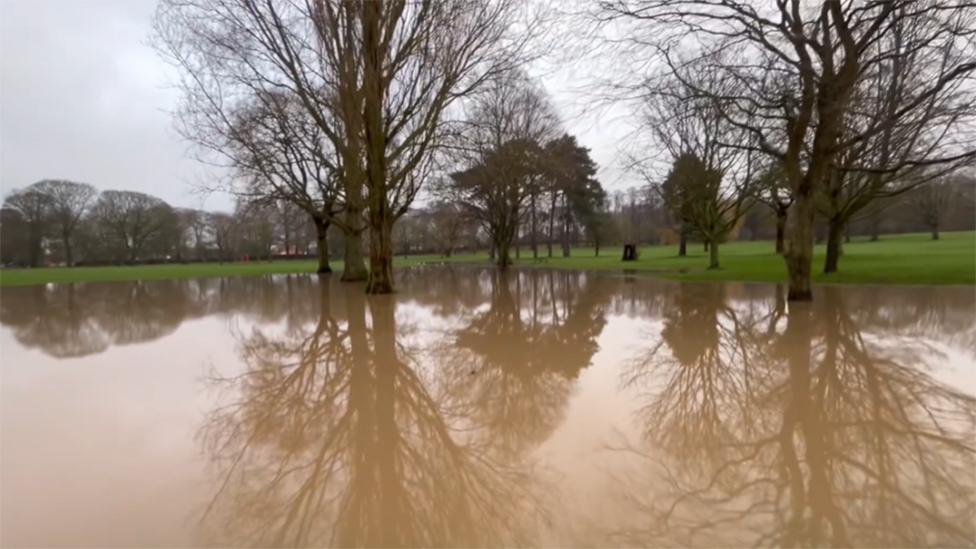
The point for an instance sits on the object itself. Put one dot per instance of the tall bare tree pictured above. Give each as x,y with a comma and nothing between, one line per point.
931,202
282,155
132,223
69,201
711,182
905,152
378,78
796,69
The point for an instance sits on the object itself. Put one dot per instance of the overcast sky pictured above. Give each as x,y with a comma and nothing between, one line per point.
83,97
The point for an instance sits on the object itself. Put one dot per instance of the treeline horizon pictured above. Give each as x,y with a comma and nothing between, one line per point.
41,223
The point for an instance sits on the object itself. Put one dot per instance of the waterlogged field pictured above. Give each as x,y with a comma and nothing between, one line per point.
540,407
895,259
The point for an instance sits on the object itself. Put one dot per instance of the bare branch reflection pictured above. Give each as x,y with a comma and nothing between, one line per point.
336,436
817,434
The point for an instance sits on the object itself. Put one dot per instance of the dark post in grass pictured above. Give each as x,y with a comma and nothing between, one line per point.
630,252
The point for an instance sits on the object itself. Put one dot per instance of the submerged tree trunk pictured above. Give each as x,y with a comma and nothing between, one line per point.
798,252
682,244
322,240
712,254
354,268
835,234
380,279
502,245
780,229
374,88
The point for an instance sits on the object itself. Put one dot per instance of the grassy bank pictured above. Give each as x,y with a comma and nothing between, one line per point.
895,259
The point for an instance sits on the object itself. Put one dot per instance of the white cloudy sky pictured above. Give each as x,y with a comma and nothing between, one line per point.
84,97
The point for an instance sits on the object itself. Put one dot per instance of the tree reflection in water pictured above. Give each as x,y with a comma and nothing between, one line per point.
417,419
353,432
76,320
812,433
513,363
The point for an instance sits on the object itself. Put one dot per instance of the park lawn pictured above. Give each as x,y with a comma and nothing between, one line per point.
118,273
895,259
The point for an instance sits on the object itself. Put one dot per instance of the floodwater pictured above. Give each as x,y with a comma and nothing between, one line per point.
550,408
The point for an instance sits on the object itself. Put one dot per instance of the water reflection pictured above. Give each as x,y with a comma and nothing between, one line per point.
75,320
813,431
472,406
341,434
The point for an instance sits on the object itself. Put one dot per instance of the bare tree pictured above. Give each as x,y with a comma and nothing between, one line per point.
224,228
131,223
886,162
282,155
932,201
378,78
69,201
502,156
449,225
795,72
711,182
773,190
33,207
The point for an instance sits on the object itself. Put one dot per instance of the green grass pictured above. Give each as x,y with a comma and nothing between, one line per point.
895,259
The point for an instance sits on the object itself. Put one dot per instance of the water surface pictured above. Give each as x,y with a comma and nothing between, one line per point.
479,409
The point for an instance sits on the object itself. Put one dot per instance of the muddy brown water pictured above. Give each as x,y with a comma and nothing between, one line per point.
550,408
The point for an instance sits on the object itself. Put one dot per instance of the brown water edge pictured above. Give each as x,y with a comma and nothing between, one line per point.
538,407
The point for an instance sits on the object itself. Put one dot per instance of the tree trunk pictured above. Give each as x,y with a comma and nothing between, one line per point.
835,234
533,236
705,245
596,247
518,248
565,228
935,231
798,252
682,244
552,220
780,230
712,254
286,226
34,251
69,259
502,244
380,279
354,268
322,240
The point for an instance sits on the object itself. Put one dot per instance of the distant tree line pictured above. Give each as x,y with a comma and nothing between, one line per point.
57,222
